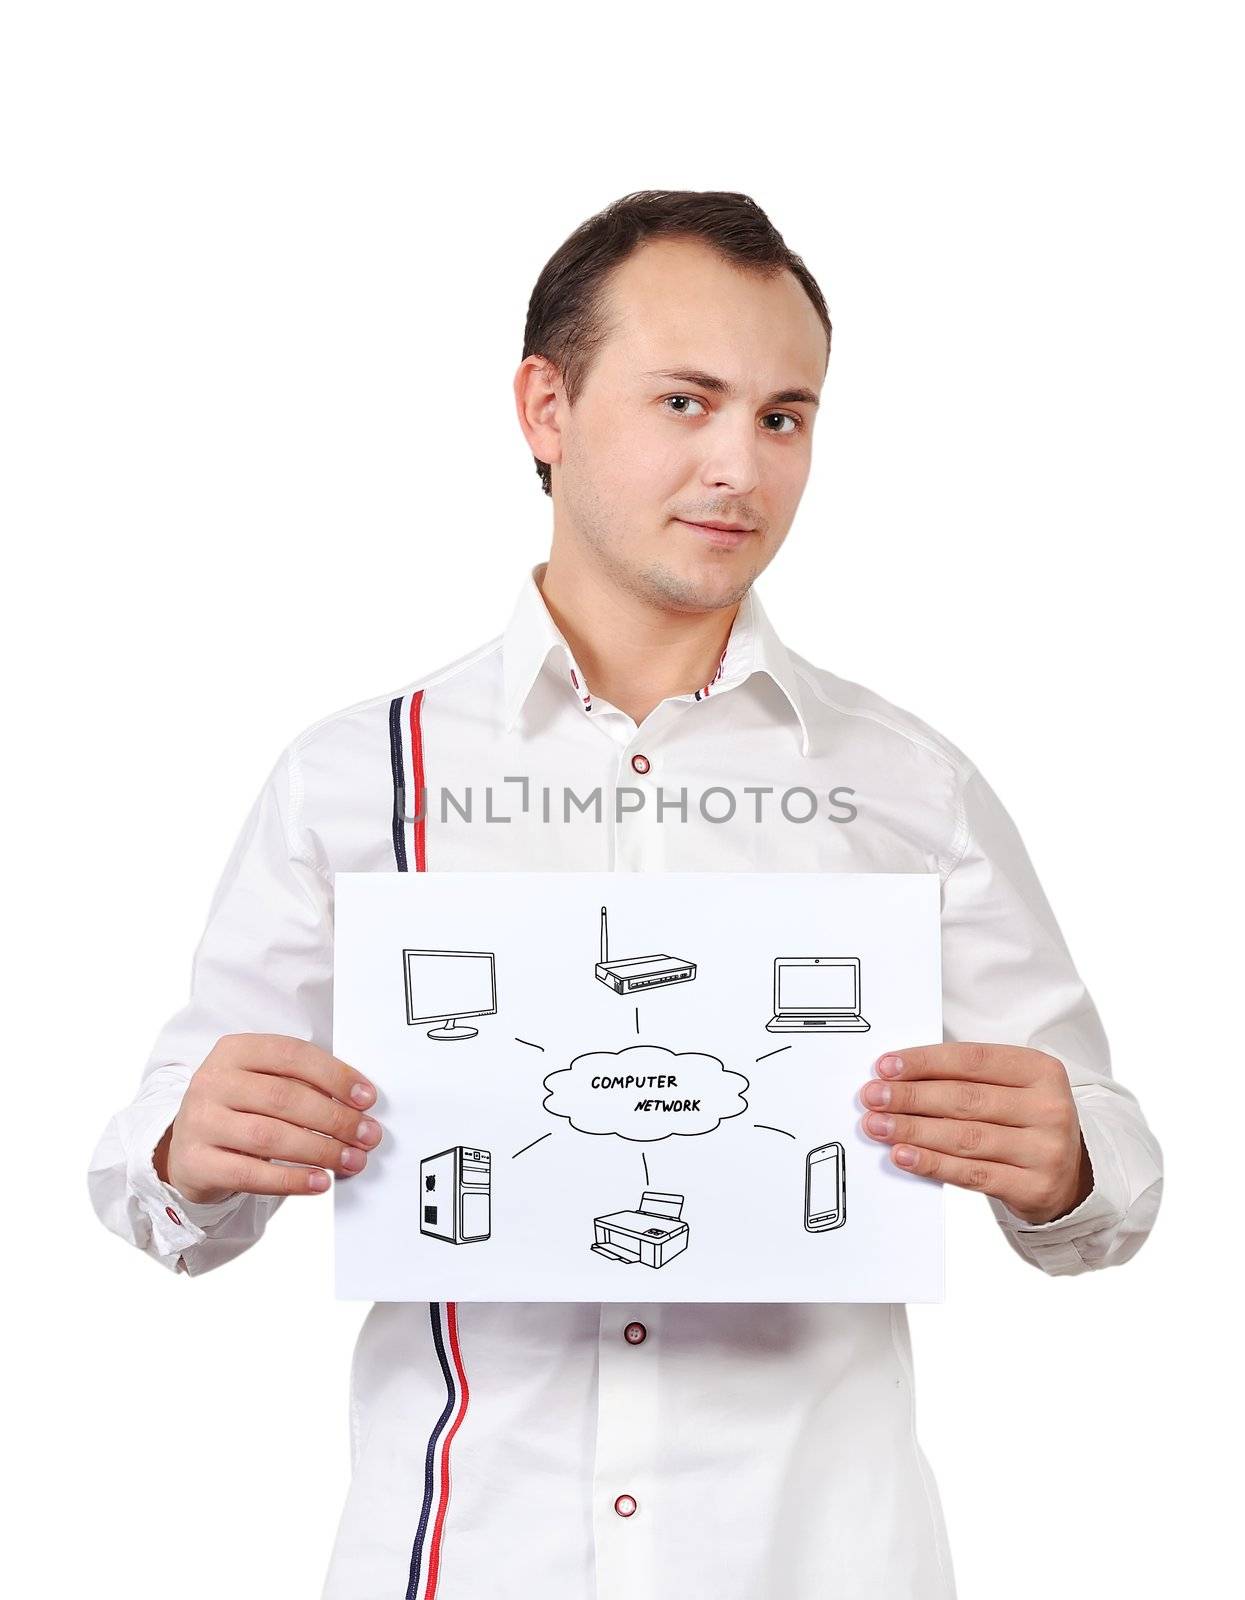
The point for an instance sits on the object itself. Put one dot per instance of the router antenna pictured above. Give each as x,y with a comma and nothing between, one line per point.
605,937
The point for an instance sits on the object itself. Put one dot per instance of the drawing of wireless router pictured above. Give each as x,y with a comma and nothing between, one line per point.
638,972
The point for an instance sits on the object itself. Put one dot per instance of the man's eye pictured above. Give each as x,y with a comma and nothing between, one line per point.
680,402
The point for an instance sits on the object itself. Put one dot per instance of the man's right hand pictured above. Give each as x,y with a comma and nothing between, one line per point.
263,1098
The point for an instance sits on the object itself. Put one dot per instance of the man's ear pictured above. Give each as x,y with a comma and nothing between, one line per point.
538,397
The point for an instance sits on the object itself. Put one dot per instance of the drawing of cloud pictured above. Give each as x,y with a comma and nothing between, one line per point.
645,1092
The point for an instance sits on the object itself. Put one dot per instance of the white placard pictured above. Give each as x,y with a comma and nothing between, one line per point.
676,1121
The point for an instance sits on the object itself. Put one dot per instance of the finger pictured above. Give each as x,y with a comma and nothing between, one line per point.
1006,1183
979,1063
273,1140
967,1102
299,1058
980,1140
292,1100
242,1174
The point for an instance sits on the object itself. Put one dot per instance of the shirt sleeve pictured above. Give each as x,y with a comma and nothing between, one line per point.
263,965
1008,978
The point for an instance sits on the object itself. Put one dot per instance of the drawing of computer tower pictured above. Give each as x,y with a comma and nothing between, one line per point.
455,1195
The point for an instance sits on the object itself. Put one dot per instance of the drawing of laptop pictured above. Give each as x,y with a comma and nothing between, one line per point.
817,994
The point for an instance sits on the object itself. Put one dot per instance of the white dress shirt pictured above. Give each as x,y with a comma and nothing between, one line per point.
646,1451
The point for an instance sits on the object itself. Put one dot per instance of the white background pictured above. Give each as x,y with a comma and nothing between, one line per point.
267,268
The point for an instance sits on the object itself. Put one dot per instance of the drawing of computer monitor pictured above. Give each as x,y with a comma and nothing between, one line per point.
443,986
817,994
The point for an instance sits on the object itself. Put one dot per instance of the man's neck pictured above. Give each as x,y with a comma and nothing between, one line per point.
633,654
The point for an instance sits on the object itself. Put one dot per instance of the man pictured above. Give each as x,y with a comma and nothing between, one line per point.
674,359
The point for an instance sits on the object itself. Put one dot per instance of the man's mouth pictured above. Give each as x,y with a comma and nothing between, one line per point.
724,535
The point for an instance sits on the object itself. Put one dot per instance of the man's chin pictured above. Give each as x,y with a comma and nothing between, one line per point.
699,586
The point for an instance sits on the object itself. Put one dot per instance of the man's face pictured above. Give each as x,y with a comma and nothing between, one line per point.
644,454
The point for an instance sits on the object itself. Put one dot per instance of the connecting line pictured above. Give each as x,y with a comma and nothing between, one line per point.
768,1129
541,1047
770,1053
644,1159
637,1020
548,1135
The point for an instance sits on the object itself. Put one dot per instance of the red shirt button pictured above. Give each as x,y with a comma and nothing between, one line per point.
625,1505
635,1333
169,1212
640,763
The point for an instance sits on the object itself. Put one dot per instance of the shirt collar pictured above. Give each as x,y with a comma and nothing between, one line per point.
532,637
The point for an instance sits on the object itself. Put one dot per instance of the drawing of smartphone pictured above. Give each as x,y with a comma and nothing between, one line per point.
825,1188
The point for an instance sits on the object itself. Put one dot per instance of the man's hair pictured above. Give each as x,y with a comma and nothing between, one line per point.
566,321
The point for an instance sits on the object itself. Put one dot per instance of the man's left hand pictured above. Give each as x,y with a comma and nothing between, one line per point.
993,1117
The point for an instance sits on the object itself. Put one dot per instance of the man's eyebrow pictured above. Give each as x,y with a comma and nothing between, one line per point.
705,380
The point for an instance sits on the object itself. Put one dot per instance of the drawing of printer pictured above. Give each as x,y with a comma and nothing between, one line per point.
654,1234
